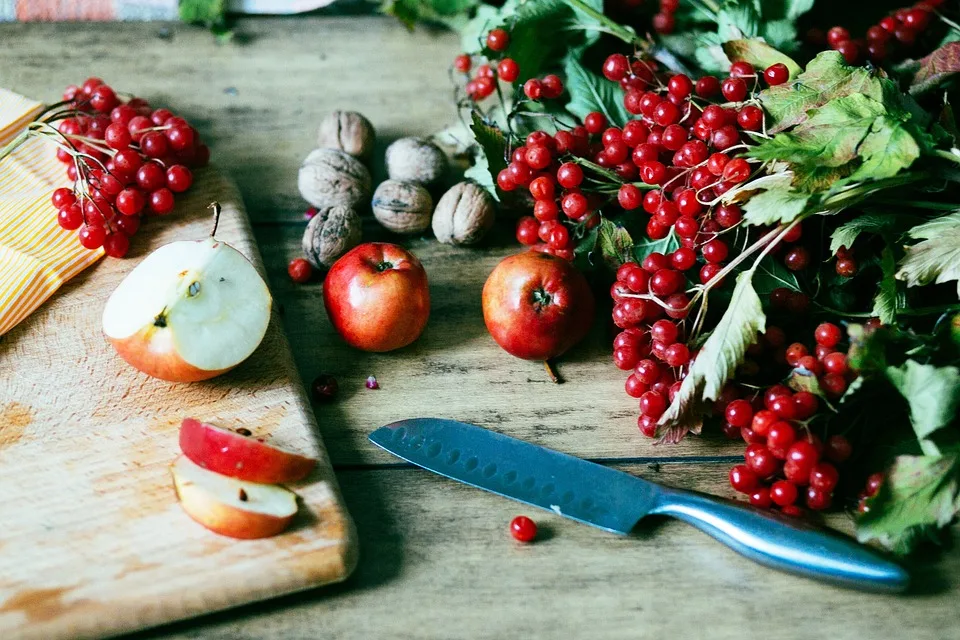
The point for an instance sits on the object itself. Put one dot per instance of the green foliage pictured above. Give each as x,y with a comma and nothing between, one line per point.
489,156
937,257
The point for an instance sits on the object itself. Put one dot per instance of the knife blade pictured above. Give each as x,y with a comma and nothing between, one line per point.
617,501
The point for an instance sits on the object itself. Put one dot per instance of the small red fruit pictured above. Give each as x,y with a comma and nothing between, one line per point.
523,529
300,270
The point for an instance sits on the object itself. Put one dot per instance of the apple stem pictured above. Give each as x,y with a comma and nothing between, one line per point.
554,377
216,216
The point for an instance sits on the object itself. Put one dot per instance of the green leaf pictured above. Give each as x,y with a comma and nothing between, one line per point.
851,138
614,242
410,12
879,223
666,246
868,349
937,258
781,34
933,394
489,158
885,302
773,274
590,92
204,11
936,68
758,53
778,202
738,19
825,78
918,491
719,357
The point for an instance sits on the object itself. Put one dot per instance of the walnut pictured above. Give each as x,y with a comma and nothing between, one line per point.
416,160
330,178
464,214
347,131
330,234
402,207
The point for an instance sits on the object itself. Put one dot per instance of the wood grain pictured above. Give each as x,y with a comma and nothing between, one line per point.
439,564
93,541
436,561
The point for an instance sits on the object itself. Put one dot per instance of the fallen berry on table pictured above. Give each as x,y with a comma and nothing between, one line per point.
372,382
523,529
300,270
324,387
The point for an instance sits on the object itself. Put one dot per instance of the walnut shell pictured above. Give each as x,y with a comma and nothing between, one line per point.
330,234
464,214
333,178
416,160
402,207
347,131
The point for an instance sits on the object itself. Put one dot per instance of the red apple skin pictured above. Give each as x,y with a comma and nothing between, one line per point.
536,306
238,456
154,355
377,298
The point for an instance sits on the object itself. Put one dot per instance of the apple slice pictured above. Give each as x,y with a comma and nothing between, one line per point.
190,311
232,507
240,456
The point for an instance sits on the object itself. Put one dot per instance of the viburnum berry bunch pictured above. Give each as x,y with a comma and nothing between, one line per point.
894,36
125,158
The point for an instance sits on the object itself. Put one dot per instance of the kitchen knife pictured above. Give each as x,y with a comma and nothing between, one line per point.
616,501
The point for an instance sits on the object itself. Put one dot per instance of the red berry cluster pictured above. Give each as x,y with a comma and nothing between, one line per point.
676,151
126,160
846,265
785,463
484,81
894,34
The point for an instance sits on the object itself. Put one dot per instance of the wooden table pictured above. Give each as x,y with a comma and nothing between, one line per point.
436,559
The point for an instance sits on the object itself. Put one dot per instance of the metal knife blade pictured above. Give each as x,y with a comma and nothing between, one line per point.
616,501
555,481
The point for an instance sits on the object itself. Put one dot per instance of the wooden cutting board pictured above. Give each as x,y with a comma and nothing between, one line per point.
92,540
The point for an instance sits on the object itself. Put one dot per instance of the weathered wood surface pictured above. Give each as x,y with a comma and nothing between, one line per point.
435,558
93,541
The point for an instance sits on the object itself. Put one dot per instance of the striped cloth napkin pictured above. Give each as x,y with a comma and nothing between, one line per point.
36,255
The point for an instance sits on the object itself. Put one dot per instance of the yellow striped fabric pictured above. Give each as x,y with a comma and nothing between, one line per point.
36,255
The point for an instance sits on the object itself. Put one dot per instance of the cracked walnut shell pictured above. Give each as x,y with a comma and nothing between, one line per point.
347,131
331,178
330,234
416,160
402,207
464,214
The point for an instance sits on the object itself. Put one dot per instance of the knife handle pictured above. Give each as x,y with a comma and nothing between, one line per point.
785,543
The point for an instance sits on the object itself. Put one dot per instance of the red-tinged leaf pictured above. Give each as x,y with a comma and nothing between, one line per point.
936,67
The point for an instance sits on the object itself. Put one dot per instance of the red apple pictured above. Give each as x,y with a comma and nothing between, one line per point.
240,456
377,298
536,306
232,507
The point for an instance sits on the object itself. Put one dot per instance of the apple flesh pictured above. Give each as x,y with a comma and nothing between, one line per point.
377,297
243,457
536,306
190,311
229,506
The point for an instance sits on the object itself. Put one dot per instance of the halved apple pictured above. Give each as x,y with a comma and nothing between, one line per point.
240,456
232,507
190,311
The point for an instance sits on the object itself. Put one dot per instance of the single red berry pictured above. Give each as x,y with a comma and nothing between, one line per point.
742,69
533,89
805,405
527,230
508,70
743,479
130,201
595,122
615,67
498,40
569,175
776,74
179,178
680,85
836,35
63,197
70,217
462,63
574,204
161,201
850,51
103,99
653,404
827,334
92,237
797,258
300,270
629,197
761,498
734,89
707,86
116,245
523,529
750,118
783,493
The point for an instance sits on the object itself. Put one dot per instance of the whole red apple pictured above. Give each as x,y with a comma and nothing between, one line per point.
536,306
376,296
